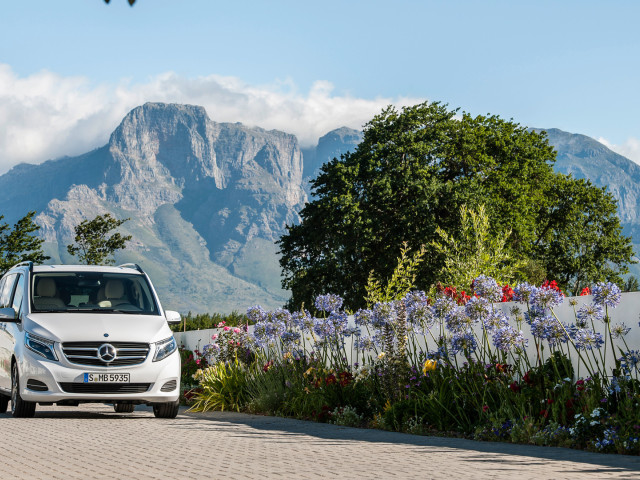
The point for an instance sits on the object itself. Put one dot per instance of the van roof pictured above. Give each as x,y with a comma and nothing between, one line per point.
85,268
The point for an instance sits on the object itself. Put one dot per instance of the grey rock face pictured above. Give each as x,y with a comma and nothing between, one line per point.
231,191
332,145
584,157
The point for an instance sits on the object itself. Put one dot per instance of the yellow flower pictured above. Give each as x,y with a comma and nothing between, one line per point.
429,366
287,355
382,354
308,372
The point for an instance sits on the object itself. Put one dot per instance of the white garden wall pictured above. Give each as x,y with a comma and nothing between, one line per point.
627,312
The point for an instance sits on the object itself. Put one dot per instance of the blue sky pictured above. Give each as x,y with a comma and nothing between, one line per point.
70,69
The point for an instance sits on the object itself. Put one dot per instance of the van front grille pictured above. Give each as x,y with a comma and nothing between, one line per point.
106,388
86,353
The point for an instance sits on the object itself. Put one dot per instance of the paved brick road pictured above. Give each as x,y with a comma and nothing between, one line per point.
94,442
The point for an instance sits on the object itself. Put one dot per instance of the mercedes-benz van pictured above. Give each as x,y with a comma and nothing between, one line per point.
75,334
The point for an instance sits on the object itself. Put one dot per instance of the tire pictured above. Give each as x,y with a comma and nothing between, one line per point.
19,408
4,403
166,410
123,407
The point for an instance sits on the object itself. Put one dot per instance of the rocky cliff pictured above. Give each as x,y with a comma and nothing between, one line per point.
206,200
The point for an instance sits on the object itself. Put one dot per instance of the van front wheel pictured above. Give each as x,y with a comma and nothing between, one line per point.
166,410
123,407
19,408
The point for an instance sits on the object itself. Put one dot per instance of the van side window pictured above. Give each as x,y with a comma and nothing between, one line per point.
2,283
18,295
7,290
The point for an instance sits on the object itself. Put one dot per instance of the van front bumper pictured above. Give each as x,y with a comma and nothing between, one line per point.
149,382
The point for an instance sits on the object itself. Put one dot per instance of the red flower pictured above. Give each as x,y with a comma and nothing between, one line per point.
507,293
553,285
527,378
515,387
485,408
585,291
331,379
345,378
502,367
544,413
580,385
460,297
267,366
550,401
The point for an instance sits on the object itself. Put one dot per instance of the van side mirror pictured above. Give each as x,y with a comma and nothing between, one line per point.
173,318
8,315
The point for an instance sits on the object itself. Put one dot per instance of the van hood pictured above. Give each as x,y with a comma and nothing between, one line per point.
85,327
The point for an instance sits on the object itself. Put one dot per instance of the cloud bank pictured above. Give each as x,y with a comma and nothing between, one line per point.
630,148
45,115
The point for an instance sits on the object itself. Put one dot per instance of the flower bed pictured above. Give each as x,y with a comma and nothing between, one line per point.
453,363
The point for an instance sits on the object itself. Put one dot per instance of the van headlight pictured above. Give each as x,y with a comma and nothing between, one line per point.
165,348
41,346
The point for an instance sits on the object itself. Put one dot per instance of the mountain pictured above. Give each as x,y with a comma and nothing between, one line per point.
584,157
206,200
330,146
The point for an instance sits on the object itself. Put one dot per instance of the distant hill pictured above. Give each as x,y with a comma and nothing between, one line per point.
208,200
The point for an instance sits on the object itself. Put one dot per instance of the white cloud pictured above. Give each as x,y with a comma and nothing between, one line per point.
630,148
45,115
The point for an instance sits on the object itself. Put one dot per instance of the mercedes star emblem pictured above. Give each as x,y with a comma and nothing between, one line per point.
107,353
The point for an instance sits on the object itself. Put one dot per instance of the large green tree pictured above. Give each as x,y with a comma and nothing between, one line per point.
20,243
94,244
410,175
580,236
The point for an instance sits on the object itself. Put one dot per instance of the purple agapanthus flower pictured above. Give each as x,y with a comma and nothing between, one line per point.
328,303
606,294
587,339
463,342
589,313
507,338
488,288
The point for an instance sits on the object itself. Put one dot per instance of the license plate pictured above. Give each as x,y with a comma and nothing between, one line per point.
106,378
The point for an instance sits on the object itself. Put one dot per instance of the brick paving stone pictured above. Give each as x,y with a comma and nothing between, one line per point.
94,442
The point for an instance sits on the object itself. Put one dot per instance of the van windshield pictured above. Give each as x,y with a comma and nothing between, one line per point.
92,292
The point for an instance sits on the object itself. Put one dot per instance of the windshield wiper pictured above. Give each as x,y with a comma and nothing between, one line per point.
117,310
83,309
49,311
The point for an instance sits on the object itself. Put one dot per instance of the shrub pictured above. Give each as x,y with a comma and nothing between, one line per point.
224,387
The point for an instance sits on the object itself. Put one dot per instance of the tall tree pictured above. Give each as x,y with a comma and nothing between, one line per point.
93,245
580,238
20,244
410,175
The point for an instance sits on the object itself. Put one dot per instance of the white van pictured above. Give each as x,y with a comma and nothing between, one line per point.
77,334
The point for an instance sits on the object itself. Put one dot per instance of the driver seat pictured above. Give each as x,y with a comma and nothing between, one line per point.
114,294
46,298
